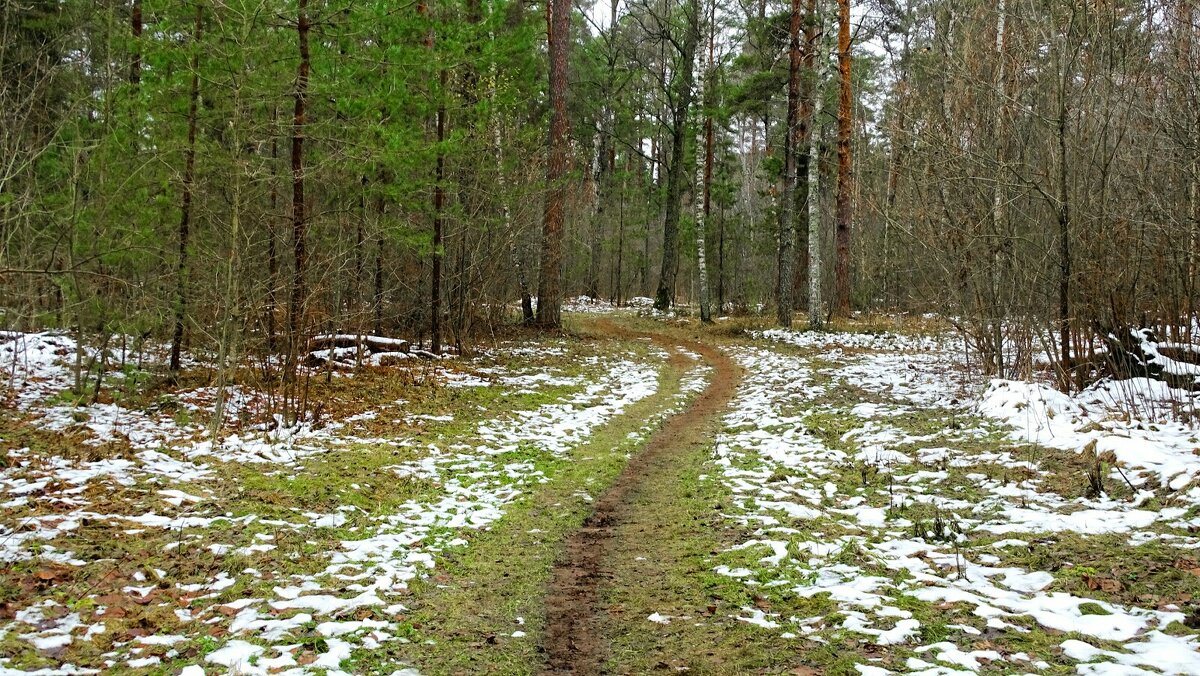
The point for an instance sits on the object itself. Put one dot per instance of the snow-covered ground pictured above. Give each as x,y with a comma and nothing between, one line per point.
903,502
889,503
598,306
170,470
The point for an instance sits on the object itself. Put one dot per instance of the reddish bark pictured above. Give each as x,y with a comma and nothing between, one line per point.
549,306
845,189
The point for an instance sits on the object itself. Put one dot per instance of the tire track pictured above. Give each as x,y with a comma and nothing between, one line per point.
574,640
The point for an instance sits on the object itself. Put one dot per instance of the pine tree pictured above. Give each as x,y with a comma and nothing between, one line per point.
549,306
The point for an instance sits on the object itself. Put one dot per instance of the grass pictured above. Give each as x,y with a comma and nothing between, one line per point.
463,617
355,475
1105,568
685,537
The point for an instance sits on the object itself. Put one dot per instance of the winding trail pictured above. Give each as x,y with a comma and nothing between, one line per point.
625,517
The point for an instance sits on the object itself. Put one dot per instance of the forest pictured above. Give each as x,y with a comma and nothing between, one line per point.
499,336
238,177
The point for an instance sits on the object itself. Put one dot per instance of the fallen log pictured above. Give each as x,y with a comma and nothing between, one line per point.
390,358
338,355
372,344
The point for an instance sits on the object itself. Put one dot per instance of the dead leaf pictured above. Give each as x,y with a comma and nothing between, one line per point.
1105,584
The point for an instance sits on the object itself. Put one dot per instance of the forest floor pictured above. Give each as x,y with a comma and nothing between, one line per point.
635,496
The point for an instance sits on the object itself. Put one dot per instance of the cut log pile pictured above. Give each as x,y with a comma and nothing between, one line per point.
348,351
1138,353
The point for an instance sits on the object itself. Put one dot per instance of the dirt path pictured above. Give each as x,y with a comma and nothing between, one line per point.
575,639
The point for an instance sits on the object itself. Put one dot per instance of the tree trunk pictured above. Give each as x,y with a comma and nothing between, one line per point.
377,301
815,320
136,26
720,254
996,278
299,214
514,246
801,150
1064,246
549,306
654,188
272,253
845,188
439,198
683,100
709,157
600,177
703,177
185,212
356,294
791,143
618,276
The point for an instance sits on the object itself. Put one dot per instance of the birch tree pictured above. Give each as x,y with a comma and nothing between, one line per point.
815,222
700,191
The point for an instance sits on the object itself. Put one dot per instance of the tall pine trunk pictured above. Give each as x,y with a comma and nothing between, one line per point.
845,187
549,305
